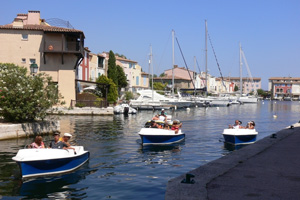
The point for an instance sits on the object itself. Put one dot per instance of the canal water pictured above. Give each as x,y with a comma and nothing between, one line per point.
120,168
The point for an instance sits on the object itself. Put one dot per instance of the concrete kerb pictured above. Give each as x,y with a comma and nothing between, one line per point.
10,131
208,172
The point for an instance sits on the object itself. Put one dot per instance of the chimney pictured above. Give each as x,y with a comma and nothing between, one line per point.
33,17
175,66
17,23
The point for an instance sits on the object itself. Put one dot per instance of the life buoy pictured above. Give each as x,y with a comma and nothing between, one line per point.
50,47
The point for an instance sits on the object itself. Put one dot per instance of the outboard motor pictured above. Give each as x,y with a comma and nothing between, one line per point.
126,110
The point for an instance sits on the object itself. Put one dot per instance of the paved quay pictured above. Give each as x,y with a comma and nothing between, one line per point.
268,169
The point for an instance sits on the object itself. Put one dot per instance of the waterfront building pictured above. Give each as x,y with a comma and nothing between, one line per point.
145,80
282,87
83,69
179,82
248,86
55,50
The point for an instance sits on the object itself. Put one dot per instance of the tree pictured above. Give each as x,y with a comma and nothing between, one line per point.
24,97
112,95
236,88
162,75
128,95
122,79
112,68
150,79
159,86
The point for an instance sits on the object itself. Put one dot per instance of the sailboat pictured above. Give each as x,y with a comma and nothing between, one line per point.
151,100
244,98
212,101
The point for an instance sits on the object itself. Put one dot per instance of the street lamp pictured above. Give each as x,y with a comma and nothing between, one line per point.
33,68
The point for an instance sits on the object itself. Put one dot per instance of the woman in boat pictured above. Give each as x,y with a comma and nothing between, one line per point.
156,117
236,125
251,125
38,143
176,126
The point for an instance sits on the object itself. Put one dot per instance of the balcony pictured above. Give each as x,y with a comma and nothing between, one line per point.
54,46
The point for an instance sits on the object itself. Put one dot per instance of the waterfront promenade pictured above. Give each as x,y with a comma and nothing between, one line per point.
268,169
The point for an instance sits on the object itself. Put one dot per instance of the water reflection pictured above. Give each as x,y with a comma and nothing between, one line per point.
58,187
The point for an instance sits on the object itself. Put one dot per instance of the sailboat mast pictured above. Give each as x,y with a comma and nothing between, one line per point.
241,72
173,61
194,75
206,59
151,64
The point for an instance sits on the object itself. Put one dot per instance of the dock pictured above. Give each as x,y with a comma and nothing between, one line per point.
268,169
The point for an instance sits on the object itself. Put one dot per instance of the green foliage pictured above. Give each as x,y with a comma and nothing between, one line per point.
80,105
112,68
150,79
162,75
236,88
112,95
98,102
159,86
24,97
128,95
122,79
120,55
263,93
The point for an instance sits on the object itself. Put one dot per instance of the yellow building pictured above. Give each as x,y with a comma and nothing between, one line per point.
56,51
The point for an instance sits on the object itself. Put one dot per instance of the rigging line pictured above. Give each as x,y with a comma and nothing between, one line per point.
217,62
157,76
164,52
249,72
185,62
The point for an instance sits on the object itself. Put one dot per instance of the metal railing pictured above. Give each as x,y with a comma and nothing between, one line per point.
88,103
52,45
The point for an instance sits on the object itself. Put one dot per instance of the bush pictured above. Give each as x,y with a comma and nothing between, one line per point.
24,97
80,105
128,96
112,95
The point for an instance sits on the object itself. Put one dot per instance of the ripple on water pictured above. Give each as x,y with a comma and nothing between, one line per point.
120,168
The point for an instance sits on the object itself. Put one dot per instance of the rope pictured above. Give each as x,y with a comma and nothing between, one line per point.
217,62
185,62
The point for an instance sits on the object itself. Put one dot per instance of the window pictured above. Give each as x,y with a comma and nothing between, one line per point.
137,80
130,65
23,60
133,66
257,86
24,36
86,75
32,61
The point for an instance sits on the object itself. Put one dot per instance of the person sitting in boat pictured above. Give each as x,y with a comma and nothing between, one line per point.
38,143
156,117
155,125
176,126
167,126
65,139
162,116
56,144
237,125
251,125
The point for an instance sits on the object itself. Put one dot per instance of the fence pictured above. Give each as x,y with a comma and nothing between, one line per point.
88,103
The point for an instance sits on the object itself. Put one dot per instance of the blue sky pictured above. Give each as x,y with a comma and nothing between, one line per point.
269,31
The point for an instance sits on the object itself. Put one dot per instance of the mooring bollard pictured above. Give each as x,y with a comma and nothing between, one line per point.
188,179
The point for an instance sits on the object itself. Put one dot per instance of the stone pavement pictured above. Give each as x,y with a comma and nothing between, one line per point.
268,169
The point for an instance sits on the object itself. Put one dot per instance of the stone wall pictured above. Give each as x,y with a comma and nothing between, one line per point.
9,131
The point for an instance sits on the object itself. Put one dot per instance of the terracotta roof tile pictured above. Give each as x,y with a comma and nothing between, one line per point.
170,77
41,28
